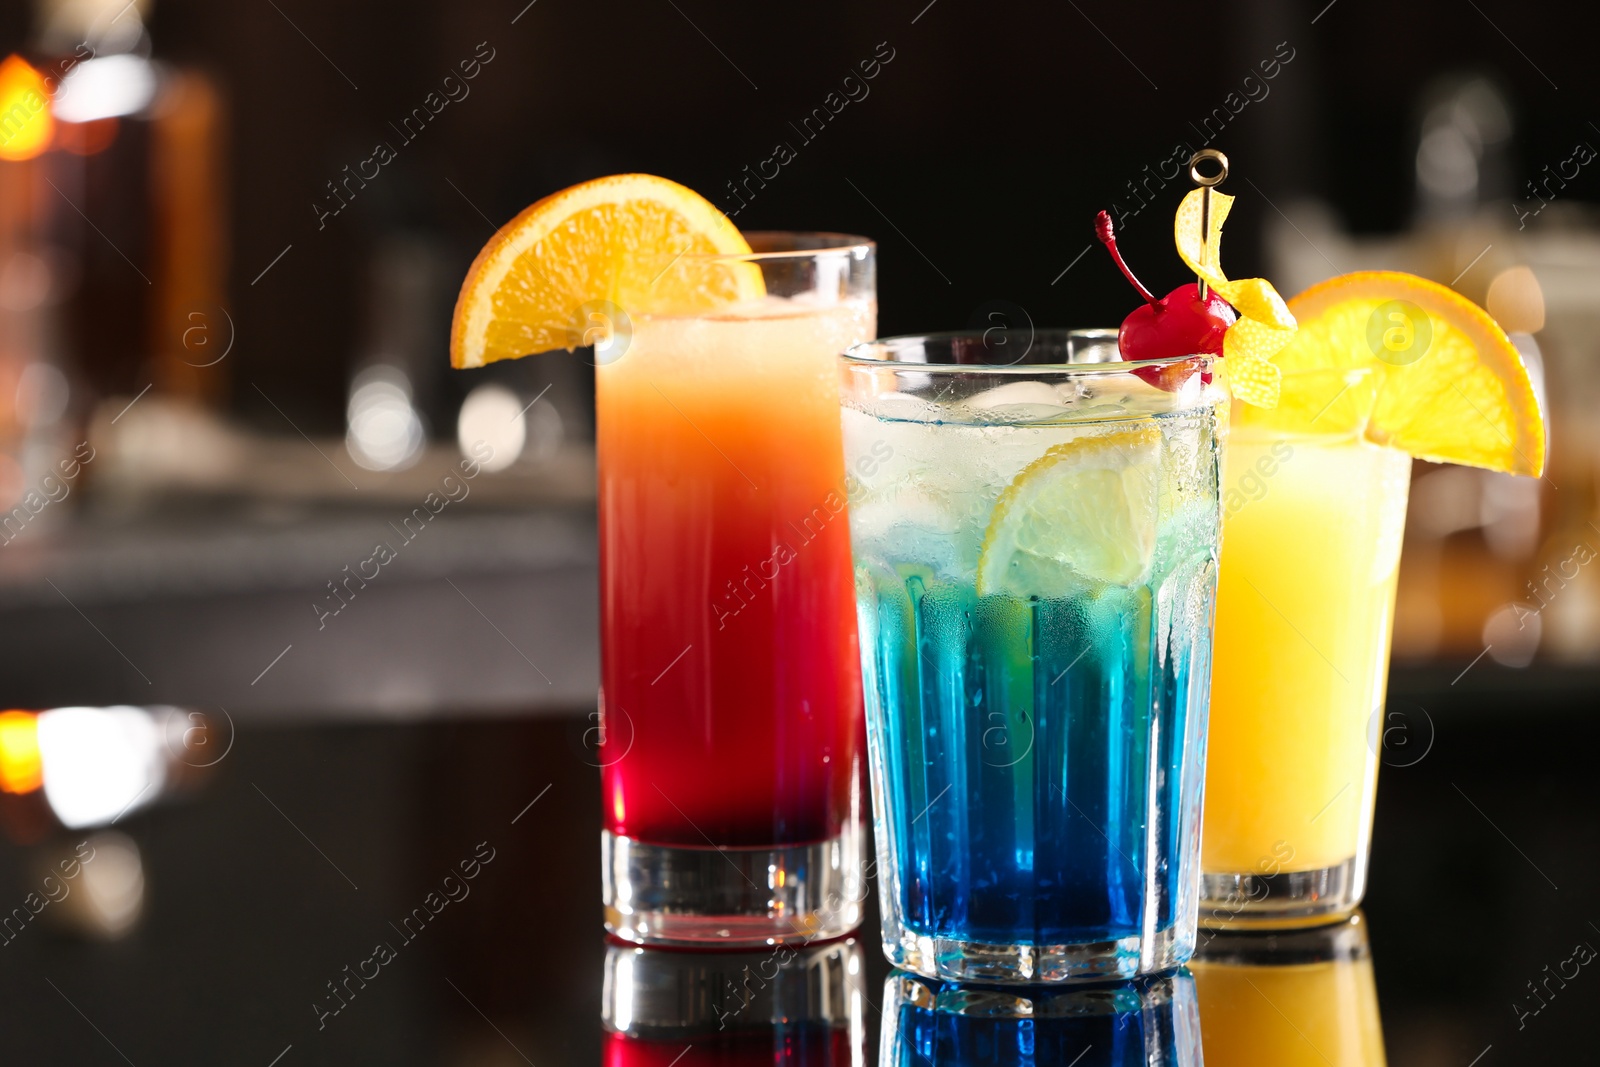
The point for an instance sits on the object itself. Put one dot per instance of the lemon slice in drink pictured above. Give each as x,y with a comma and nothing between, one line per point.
568,268
1411,364
1081,515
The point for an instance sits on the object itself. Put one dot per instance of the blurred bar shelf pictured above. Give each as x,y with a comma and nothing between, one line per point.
185,591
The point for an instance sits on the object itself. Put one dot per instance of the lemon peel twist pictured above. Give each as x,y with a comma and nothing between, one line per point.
1265,323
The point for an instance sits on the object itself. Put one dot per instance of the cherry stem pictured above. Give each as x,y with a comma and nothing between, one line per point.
1102,230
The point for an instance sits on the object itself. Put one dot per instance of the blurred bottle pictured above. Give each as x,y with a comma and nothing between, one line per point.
33,390
112,243
141,220
388,406
1149,1023
1302,997
783,1005
1463,149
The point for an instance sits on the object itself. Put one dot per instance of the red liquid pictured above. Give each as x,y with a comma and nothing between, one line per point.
800,1045
730,678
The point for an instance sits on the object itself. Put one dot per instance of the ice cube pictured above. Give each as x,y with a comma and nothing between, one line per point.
1027,401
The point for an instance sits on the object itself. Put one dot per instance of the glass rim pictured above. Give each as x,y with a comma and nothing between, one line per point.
850,357
827,243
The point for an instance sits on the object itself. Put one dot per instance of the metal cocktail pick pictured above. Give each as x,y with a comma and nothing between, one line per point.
1206,184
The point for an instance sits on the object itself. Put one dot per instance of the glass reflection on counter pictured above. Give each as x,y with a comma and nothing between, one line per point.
783,1005
1151,1022
1290,998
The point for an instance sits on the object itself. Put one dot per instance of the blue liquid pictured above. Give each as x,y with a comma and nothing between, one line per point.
1038,763
1130,1025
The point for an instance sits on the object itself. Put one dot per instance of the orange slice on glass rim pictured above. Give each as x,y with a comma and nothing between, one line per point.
1411,364
562,272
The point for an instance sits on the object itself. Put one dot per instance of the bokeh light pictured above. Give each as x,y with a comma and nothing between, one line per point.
493,414
385,431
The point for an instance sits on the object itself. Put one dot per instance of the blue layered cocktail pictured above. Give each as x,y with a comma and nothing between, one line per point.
1035,555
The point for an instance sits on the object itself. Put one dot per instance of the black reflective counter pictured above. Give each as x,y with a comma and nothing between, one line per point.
427,892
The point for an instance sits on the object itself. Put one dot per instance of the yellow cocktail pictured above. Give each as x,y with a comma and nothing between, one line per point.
1305,999
1337,391
1383,367
1311,544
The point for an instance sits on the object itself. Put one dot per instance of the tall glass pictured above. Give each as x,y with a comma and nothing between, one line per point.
1151,1022
1035,537
799,1005
1301,998
1305,609
730,696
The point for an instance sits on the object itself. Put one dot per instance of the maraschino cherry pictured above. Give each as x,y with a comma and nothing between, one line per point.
1179,324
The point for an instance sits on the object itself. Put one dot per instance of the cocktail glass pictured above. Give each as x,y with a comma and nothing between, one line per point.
730,699
1035,536
1127,1024
1300,998
785,1004
1305,607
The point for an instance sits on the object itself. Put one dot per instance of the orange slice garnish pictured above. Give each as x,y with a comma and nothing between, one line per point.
1411,364
632,244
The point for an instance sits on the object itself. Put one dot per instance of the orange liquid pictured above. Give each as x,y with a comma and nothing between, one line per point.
1295,1015
1305,606
731,686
